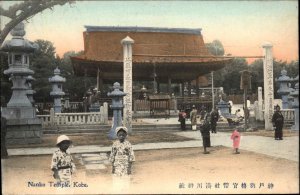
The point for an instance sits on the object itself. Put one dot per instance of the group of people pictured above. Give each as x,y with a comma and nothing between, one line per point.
214,117
121,157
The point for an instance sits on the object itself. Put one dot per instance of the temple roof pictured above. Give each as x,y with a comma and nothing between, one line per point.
178,53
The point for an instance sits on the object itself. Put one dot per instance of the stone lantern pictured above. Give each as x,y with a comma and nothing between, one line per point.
22,124
57,92
295,104
117,106
284,89
224,108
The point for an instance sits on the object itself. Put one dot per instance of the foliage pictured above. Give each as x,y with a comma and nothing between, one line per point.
43,63
215,48
229,77
74,85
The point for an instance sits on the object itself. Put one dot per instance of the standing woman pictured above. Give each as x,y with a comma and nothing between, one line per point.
193,115
181,119
278,121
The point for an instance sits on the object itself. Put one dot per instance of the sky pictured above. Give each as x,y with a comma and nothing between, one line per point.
242,26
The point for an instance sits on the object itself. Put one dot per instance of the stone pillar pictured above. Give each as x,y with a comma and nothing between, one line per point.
117,107
57,92
284,89
127,82
260,116
268,86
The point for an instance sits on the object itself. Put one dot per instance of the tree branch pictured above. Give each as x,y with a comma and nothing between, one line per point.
28,9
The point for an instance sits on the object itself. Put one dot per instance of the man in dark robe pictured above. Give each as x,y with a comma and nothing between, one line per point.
204,129
278,121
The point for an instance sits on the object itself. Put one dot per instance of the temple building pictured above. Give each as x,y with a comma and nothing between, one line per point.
167,58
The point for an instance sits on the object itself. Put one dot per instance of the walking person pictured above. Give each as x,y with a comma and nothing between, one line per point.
193,115
205,133
214,117
236,137
181,119
121,157
278,121
62,163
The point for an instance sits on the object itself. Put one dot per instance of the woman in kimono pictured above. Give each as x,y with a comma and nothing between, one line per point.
236,137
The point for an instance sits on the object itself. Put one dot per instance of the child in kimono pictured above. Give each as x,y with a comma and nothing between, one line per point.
121,157
62,162
236,137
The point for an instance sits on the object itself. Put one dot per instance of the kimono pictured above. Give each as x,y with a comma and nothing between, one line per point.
278,121
181,119
121,157
204,129
236,137
214,117
63,162
193,116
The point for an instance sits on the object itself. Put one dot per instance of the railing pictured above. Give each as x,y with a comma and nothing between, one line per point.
288,114
75,118
144,105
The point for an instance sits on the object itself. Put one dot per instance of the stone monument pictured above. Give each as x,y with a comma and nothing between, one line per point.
127,81
57,92
268,86
22,124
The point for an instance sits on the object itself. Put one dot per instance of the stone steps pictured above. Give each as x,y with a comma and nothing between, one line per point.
80,129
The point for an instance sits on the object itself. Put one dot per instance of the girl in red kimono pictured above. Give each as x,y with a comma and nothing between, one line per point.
236,137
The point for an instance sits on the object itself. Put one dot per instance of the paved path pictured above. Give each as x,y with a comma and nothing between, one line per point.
287,148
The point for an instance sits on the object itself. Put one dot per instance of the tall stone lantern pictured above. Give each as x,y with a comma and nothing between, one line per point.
117,107
295,104
57,92
284,89
22,124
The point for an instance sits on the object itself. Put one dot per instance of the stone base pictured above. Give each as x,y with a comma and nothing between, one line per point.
19,112
24,131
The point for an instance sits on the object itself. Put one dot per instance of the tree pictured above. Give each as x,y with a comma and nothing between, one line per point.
230,76
23,11
215,48
74,85
43,63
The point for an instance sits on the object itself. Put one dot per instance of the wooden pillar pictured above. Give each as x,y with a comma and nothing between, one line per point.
98,77
169,86
158,87
189,88
197,87
181,88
